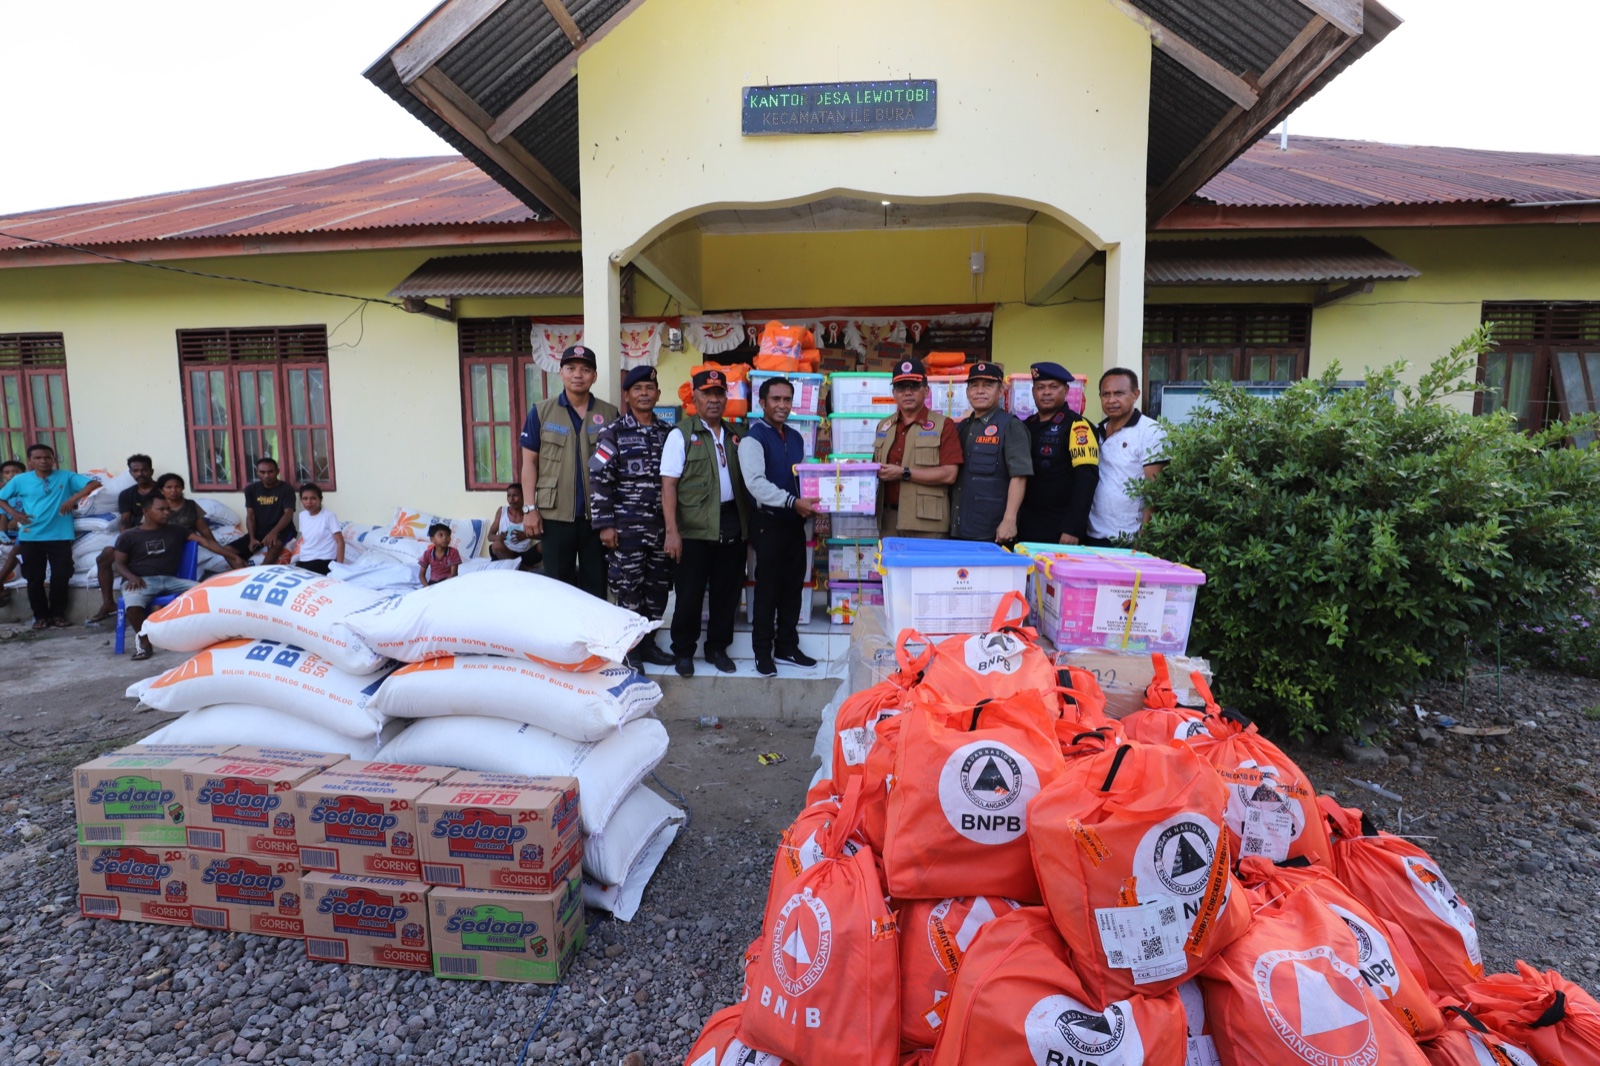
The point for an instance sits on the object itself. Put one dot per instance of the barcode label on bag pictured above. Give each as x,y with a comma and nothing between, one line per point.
1147,939
855,744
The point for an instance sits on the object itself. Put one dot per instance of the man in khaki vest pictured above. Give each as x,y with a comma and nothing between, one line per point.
558,440
703,499
919,456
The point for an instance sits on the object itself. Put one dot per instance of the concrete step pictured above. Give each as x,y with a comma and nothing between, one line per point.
743,695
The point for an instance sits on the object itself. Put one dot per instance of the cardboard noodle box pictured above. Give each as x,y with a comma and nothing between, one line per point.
243,807
131,883
483,935
133,798
198,751
285,756
359,825
245,894
372,921
518,834
404,771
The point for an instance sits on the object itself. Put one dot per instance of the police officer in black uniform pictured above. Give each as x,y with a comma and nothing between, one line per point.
625,507
1066,464
995,464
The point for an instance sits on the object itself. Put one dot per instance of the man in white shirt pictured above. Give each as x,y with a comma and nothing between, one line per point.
703,501
1132,447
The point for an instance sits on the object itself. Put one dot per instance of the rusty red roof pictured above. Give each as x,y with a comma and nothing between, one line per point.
1324,172
496,274
1271,260
376,194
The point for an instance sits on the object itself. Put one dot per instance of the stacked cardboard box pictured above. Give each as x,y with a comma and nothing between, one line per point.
470,875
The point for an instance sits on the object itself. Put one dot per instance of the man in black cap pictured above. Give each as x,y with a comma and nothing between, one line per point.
919,455
703,502
558,440
995,461
1066,464
625,507
767,456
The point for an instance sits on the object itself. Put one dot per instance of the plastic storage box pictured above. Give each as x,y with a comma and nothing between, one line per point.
1043,553
947,394
853,559
843,488
854,526
940,587
807,391
845,598
1133,603
806,426
854,434
861,392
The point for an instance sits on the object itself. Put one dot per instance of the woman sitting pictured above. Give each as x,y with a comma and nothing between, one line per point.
186,514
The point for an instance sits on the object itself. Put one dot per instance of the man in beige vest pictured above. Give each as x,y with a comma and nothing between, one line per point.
558,440
919,456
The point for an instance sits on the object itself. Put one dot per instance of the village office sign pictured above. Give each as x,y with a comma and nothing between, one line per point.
840,107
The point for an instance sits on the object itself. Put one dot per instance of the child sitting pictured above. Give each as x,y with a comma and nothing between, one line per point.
440,561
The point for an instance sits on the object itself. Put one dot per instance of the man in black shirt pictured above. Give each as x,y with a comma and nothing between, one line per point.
147,559
268,511
130,512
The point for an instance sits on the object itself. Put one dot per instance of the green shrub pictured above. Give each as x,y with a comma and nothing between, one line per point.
1566,639
1354,540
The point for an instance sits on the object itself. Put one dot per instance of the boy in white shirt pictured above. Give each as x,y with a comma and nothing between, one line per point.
321,541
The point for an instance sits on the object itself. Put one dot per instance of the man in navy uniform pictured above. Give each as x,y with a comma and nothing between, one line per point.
1066,464
625,507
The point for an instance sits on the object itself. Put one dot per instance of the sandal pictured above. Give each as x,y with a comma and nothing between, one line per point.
102,615
61,623
40,624
143,650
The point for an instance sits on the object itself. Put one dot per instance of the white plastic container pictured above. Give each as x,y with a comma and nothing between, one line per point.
947,394
854,434
845,598
855,526
806,426
853,559
941,587
807,391
843,488
861,392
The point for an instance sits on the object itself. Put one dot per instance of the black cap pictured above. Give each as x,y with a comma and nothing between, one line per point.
577,354
985,371
638,374
711,379
1052,372
909,370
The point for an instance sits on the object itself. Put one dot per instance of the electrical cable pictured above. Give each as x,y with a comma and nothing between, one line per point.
201,273
688,812
551,1002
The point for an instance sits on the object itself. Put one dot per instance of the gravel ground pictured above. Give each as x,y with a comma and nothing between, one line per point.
1512,819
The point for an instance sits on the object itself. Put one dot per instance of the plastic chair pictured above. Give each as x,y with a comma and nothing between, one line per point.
188,568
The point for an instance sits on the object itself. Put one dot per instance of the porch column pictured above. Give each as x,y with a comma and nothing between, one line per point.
1124,318
602,319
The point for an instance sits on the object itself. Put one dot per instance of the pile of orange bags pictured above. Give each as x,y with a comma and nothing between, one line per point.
738,375
787,349
997,873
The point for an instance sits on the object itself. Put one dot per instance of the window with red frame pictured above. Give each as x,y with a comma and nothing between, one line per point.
1223,342
1545,364
253,393
499,382
33,396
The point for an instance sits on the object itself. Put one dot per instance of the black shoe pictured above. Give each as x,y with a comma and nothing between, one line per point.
765,666
649,651
684,666
797,657
720,660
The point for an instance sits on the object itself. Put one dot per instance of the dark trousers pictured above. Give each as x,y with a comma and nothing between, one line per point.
573,553
36,554
719,564
780,543
641,576
317,566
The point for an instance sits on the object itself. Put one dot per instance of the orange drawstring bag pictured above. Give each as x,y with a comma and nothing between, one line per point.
1382,966
1556,1020
1163,717
800,847
934,937
686,398
782,364
1202,1049
855,723
1017,1000
1289,991
1129,848
919,1057
1466,1041
944,360
1272,808
824,985
1401,884
967,668
719,1045
956,819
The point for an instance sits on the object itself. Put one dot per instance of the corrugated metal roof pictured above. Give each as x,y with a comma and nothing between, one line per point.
1324,172
1271,260
377,194
498,274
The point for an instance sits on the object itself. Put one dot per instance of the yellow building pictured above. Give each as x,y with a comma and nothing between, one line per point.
1075,181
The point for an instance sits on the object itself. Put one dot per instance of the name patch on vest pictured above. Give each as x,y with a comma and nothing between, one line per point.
563,430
